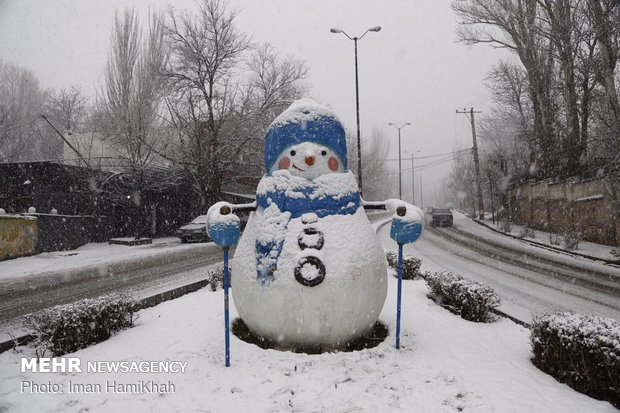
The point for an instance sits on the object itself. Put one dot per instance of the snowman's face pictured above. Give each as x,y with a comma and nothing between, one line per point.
308,160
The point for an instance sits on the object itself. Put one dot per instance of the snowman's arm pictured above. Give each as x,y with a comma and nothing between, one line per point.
243,207
371,205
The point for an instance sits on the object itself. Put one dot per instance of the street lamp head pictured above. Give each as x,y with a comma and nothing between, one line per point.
335,30
408,123
375,29
391,124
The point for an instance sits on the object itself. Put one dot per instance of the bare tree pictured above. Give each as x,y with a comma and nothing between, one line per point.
68,108
514,25
561,17
132,100
380,182
21,103
224,92
604,17
133,90
463,183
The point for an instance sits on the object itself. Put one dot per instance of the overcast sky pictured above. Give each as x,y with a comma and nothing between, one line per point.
413,70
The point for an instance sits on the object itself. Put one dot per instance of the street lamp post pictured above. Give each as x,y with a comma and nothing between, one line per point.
421,191
357,99
412,177
400,175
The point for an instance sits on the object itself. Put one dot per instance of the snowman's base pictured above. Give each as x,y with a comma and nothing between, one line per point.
372,339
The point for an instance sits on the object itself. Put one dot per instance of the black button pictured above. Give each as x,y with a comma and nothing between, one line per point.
311,238
309,263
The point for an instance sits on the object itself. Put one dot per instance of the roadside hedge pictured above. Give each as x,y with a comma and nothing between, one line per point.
411,265
471,300
67,328
216,278
579,350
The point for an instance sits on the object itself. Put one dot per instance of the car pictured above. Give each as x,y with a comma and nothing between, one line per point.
441,217
195,230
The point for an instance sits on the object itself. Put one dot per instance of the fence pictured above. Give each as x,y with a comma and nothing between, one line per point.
591,206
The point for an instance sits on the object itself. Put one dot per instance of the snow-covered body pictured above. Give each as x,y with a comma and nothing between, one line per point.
348,300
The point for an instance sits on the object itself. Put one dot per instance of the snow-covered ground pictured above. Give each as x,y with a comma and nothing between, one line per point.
585,247
445,364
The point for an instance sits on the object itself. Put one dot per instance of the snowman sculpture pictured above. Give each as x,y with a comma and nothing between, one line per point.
308,270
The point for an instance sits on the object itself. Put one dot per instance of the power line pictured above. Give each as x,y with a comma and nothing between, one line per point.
429,156
425,166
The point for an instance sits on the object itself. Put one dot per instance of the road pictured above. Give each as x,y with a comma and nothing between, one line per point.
527,283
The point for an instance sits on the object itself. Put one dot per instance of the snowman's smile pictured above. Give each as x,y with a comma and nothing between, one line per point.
299,169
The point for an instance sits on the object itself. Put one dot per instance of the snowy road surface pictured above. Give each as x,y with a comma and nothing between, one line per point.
526,282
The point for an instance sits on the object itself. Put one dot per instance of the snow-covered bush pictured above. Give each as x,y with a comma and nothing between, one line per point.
527,232
67,328
411,265
505,226
581,351
572,239
555,239
216,278
472,300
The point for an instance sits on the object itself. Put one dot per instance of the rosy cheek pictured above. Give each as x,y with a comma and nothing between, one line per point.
284,163
332,163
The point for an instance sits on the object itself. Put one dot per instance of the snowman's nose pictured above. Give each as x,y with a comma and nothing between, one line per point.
309,160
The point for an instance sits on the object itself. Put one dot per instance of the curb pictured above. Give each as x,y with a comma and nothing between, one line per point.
146,302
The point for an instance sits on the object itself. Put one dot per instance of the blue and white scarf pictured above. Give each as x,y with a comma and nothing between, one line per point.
283,197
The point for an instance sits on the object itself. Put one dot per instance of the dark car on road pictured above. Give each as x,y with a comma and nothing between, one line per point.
195,230
441,217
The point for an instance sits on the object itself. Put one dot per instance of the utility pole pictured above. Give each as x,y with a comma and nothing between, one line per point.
400,175
412,176
476,159
412,182
421,191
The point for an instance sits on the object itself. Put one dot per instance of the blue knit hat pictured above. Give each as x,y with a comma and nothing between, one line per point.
305,121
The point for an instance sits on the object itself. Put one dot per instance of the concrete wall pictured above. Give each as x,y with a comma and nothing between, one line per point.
63,232
591,206
18,236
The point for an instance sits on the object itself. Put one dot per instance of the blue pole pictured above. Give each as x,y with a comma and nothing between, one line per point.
226,313
400,285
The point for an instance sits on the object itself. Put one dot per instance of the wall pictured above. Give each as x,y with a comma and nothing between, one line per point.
18,236
591,206
63,232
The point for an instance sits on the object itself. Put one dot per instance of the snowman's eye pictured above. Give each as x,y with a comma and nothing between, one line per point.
293,153
323,153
